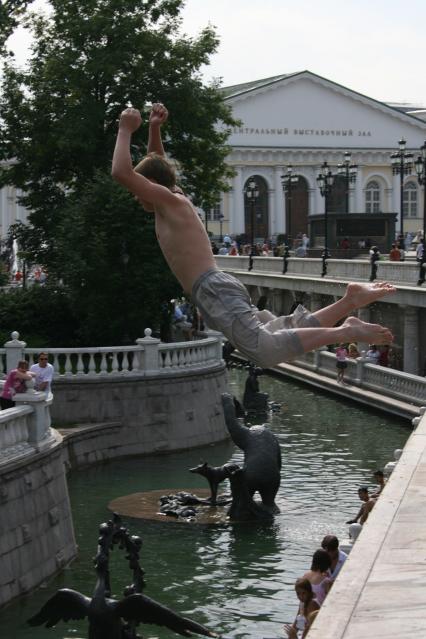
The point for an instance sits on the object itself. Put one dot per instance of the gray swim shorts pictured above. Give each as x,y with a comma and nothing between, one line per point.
260,336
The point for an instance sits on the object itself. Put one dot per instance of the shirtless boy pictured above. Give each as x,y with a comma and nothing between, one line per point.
223,301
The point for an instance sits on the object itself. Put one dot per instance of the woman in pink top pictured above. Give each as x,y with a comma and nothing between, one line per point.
15,383
341,364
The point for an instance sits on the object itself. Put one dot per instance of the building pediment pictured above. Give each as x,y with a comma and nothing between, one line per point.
306,110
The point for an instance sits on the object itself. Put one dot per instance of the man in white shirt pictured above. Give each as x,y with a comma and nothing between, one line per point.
43,373
330,543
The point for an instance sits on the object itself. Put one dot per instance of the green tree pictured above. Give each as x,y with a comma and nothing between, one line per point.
90,59
10,13
112,268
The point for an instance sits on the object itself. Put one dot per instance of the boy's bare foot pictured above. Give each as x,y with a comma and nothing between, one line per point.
360,294
358,331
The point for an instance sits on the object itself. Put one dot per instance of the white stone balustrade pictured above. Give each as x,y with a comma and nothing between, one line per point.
25,428
386,381
148,357
398,272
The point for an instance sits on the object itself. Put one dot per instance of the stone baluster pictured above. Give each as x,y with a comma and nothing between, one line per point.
38,422
364,315
411,340
14,351
150,346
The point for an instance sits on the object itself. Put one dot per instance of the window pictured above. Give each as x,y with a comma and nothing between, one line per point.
372,197
410,200
215,213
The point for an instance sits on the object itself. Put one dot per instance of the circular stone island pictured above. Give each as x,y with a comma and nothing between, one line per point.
147,506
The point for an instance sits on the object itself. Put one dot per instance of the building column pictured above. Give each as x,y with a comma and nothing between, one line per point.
312,202
358,205
316,302
237,212
364,315
388,203
351,199
279,221
271,211
411,340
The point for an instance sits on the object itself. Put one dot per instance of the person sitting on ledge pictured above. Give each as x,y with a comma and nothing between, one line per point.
318,574
364,511
224,302
381,481
330,543
308,605
15,383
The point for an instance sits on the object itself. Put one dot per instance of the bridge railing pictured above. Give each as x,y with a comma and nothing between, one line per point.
360,371
399,272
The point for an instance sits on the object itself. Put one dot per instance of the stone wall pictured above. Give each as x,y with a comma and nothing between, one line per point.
146,414
36,530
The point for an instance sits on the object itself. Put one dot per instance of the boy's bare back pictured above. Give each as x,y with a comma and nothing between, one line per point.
180,232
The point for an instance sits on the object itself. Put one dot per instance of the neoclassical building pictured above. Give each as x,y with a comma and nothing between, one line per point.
302,120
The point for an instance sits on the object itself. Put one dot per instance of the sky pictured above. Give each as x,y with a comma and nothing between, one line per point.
375,47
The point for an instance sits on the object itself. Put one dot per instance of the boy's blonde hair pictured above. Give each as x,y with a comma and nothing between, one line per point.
157,167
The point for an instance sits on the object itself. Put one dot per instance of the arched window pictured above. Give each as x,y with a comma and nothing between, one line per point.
372,197
410,200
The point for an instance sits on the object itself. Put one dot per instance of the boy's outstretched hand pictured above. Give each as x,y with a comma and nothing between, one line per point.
130,119
158,115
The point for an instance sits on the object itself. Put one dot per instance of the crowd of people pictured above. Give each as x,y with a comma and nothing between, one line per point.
40,375
383,356
313,587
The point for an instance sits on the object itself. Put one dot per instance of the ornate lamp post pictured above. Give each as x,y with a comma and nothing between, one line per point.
288,181
420,165
221,218
402,164
349,172
252,195
325,181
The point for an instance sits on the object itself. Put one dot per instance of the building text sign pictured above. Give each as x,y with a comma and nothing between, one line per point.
300,131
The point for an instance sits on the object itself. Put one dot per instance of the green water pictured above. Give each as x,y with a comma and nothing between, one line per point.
238,579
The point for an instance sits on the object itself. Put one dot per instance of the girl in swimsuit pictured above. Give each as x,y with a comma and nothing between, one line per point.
308,605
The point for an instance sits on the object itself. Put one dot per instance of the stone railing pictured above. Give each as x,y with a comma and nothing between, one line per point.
25,428
362,373
399,272
148,357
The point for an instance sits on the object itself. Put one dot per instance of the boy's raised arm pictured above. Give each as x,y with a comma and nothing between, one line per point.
122,170
122,167
157,118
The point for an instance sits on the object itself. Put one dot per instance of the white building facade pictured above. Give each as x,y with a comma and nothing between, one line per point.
303,120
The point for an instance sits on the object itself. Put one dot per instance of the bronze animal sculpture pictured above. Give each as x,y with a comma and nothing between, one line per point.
106,615
253,399
214,475
262,454
243,506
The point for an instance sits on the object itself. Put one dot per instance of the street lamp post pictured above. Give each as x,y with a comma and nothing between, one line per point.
221,218
420,165
288,181
325,181
349,172
252,195
402,164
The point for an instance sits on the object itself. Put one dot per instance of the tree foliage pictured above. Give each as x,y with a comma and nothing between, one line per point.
90,59
10,12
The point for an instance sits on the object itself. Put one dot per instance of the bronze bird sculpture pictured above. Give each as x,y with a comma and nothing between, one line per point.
109,618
